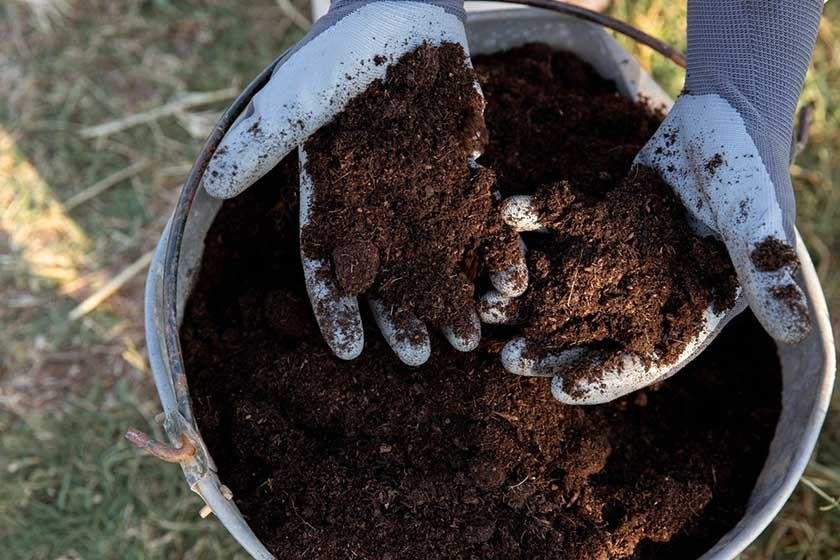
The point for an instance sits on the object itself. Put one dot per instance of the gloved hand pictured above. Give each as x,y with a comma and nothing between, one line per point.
337,60
625,374
725,149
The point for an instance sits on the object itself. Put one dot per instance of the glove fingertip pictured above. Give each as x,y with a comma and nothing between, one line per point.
495,308
249,150
217,187
515,359
784,313
511,282
766,272
408,338
342,327
559,394
226,176
466,335
521,213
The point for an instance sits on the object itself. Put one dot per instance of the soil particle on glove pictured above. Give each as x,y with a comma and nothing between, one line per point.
391,173
773,254
713,164
620,270
790,295
456,459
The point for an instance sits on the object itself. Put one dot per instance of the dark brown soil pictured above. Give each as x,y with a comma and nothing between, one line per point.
392,177
620,270
456,459
356,266
551,119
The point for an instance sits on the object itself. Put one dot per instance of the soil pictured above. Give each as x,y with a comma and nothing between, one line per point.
399,211
356,266
457,458
620,270
553,118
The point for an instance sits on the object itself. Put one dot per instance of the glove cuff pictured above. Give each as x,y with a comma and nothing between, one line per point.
755,55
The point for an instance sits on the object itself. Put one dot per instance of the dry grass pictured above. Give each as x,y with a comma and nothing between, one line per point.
78,214
81,203
77,209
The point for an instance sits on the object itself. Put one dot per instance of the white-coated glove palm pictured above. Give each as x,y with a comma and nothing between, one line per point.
341,56
703,151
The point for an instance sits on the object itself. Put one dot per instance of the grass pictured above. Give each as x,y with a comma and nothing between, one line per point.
73,489
69,486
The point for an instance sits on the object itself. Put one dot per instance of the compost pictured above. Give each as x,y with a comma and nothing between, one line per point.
622,272
457,458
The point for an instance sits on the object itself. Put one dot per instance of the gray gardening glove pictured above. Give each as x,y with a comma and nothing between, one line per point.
725,148
338,59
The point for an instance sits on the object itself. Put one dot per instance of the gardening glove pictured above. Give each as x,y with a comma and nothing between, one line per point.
725,149
337,60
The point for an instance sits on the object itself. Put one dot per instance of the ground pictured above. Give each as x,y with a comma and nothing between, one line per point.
82,206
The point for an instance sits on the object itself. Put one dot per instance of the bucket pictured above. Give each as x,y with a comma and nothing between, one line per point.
807,367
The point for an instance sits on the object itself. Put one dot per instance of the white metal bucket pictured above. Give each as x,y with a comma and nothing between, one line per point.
808,367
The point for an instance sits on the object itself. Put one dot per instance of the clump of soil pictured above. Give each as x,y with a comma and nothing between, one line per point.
456,459
620,270
399,210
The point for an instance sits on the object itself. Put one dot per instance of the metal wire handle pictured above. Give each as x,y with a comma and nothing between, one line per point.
172,343
666,50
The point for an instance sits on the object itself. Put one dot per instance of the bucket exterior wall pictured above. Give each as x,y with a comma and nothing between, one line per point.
808,367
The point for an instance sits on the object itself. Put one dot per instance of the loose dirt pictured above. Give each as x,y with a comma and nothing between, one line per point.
457,458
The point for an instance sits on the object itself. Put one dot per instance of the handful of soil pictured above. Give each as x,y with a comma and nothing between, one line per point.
398,208
619,270
623,271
